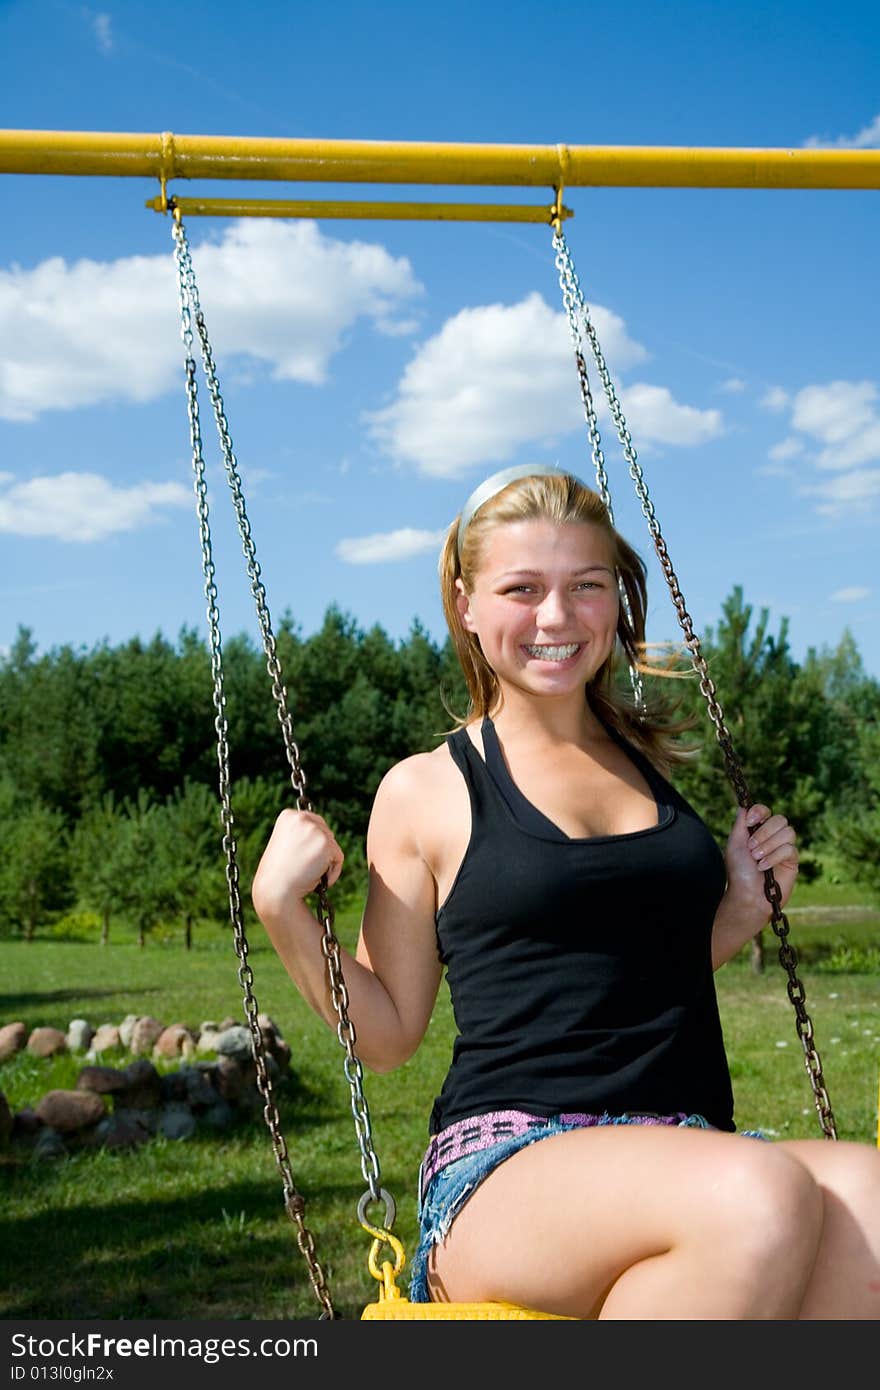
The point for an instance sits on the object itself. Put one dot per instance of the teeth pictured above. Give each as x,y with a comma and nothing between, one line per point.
554,653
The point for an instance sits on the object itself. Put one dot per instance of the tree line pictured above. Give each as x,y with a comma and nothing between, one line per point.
108,762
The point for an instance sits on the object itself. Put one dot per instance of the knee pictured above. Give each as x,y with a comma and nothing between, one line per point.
775,1211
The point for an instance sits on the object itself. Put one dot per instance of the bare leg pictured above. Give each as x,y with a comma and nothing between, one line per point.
845,1282
639,1222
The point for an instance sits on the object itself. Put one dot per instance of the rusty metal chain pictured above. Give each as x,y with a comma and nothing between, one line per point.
578,314
293,1200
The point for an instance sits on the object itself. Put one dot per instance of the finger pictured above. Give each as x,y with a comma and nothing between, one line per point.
766,830
740,823
334,868
785,856
756,815
773,833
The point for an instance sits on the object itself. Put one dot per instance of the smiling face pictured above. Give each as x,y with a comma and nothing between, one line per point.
544,604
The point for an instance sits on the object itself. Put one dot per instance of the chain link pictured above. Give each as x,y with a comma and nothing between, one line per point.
578,314
570,290
329,944
189,308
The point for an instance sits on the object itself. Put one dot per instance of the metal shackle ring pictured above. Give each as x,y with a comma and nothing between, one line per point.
390,1212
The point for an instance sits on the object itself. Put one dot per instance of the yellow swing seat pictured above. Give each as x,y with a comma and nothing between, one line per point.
401,1310
391,1306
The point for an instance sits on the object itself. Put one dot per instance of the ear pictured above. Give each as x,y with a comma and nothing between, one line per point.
463,606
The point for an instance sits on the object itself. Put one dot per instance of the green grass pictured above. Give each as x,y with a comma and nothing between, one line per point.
197,1229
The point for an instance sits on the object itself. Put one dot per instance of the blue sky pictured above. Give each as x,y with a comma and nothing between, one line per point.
374,372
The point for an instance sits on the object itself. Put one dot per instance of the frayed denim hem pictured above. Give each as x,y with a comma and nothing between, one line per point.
451,1187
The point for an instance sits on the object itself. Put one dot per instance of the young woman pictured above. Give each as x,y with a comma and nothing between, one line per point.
583,1158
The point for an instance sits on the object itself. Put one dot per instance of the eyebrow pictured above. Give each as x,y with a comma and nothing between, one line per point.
537,574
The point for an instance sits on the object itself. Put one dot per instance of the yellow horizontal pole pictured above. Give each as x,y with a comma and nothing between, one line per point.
413,212
172,156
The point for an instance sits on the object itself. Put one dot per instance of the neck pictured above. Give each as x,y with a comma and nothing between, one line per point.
546,720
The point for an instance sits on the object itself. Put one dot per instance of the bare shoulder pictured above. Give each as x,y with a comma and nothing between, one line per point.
410,794
417,802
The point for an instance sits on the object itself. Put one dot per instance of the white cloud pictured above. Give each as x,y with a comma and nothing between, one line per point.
733,385
281,294
787,448
252,477
102,27
397,328
84,506
774,399
499,377
850,595
390,545
842,416
868,138
846,491
775,470
652,414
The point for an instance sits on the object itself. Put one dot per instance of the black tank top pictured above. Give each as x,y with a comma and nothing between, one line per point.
580,969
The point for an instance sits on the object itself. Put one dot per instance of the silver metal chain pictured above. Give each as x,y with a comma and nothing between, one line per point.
572,302
578,313
192,317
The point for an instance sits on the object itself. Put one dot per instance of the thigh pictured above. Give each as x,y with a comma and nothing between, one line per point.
556,1224
835,1165
846,1274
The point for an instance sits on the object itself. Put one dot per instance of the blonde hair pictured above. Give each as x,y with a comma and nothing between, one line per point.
561,498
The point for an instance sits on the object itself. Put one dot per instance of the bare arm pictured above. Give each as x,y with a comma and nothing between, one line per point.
393,979
757,842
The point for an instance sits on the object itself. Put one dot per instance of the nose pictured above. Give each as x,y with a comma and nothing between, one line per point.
553,610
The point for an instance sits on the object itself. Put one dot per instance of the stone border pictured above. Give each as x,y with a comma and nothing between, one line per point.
121,1107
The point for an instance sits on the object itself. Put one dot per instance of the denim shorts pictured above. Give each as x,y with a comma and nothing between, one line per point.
449,1189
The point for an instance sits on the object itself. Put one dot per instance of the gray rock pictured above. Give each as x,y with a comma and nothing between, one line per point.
49,1145
126,1028
176,1121
207,1040
220,1116
235,1042
200,1090
119,1131
172,1087
145,1119
79,1035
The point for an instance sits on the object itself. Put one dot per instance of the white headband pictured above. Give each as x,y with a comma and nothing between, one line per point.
497,482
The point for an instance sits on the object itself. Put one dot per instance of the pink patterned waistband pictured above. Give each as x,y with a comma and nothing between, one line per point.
469,1136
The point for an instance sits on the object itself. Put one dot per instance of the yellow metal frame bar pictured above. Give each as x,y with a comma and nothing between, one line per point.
167,156
412,212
